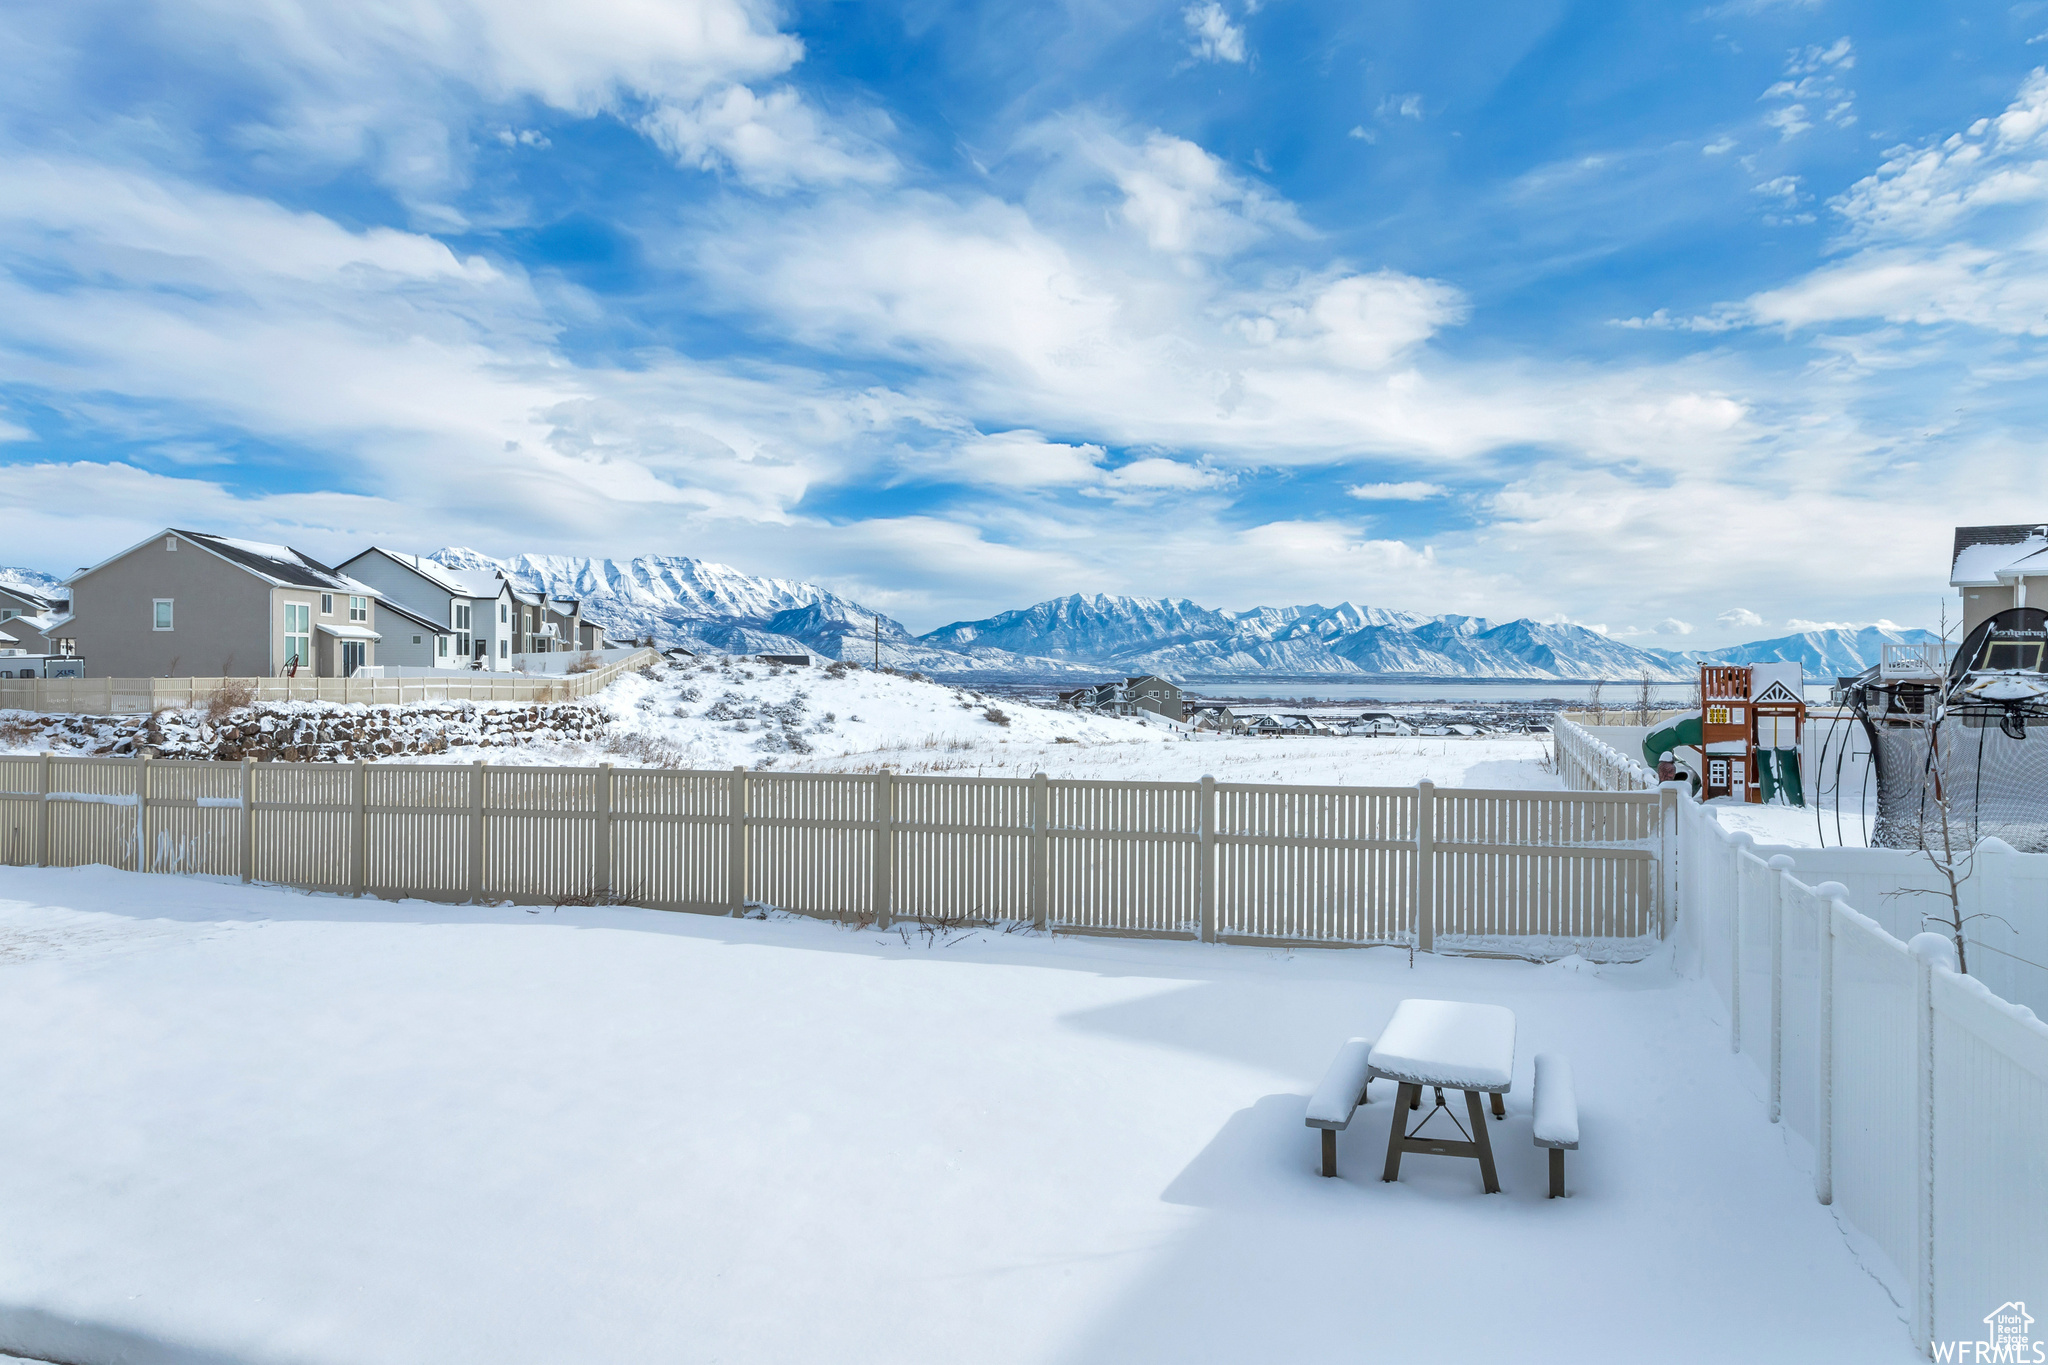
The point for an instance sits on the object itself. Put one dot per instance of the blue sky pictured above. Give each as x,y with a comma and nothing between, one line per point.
1691,323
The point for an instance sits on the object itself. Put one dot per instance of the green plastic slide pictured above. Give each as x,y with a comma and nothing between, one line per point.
1670,736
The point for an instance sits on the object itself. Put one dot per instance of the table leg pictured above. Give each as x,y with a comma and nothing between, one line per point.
1557,1172
1408,1097
1500,1108
1481,1140
1329,1151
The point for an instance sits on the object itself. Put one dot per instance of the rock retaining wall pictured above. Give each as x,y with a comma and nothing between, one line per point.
307,733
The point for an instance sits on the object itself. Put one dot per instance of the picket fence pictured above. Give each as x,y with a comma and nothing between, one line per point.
1525,872
140,696
1919,1092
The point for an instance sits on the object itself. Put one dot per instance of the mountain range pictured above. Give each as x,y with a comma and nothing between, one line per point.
717,609
712,607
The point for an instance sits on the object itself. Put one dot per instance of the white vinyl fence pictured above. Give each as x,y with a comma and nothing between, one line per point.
132,696
1922,1095
1587,763
1530,873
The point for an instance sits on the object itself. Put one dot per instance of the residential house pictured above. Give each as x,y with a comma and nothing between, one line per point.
1127,696
1996,567
26,617
1217,719
190,604
474,606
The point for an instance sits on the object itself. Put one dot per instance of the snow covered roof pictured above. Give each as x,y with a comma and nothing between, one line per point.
280,564
1983,552
484,583
37,600
347,632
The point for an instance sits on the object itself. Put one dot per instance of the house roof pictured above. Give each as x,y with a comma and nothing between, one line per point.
33,599
484,583
1982,551
280,564
347,632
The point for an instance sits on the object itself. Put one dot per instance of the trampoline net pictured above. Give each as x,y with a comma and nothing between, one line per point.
1996,784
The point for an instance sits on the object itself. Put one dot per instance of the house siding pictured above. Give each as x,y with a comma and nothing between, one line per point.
217,619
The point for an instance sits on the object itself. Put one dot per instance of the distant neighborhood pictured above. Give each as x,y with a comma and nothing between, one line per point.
192,603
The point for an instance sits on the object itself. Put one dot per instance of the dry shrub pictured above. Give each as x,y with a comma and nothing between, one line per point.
587,664
17,730
232,695
996,717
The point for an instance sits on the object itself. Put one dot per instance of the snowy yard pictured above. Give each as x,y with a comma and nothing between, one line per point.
250,1125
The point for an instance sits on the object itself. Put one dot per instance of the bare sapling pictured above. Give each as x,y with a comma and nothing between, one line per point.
1593,702
1643,699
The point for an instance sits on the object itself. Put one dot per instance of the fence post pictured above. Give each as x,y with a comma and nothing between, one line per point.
1781,886
1425,866
1667,824
476,831
1205,857
601,837
141,812
1923,1131
248,823
359,830
1740,842
1836,899
43,815
884,892
1041,811
736,842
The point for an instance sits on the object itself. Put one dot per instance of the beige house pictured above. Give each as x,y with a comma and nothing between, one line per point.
1996,567
189,604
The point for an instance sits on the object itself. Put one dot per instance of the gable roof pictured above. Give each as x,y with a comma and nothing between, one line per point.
35,600
1981,551
483,583
407,613
281,564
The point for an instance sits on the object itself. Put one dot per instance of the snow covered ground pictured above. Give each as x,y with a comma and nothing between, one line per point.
726,712
722,713
249,1125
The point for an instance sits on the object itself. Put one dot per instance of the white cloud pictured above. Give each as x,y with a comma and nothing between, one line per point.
1671,625
1397,492
1718,147
1801,626
1400,106
1363,133
773,141
1017,459
1739,616
1211,35
1812,77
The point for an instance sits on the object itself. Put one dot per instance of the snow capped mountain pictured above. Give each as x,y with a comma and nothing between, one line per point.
1181,639
1823,654
715,608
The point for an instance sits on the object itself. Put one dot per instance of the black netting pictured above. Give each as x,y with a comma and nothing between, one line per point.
1992,768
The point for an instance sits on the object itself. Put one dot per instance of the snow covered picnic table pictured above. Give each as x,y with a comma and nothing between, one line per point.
1447,1045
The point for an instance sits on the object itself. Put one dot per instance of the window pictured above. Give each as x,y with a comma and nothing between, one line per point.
8,613
170,544
504,650
359,609
415,639
298,634
462,616
503,614
327,604
441,646
1717,772
351,657
163,613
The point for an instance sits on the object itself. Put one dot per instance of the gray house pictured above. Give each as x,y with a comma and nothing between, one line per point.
1127,696
189,604
25,619
490,620
1996,567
